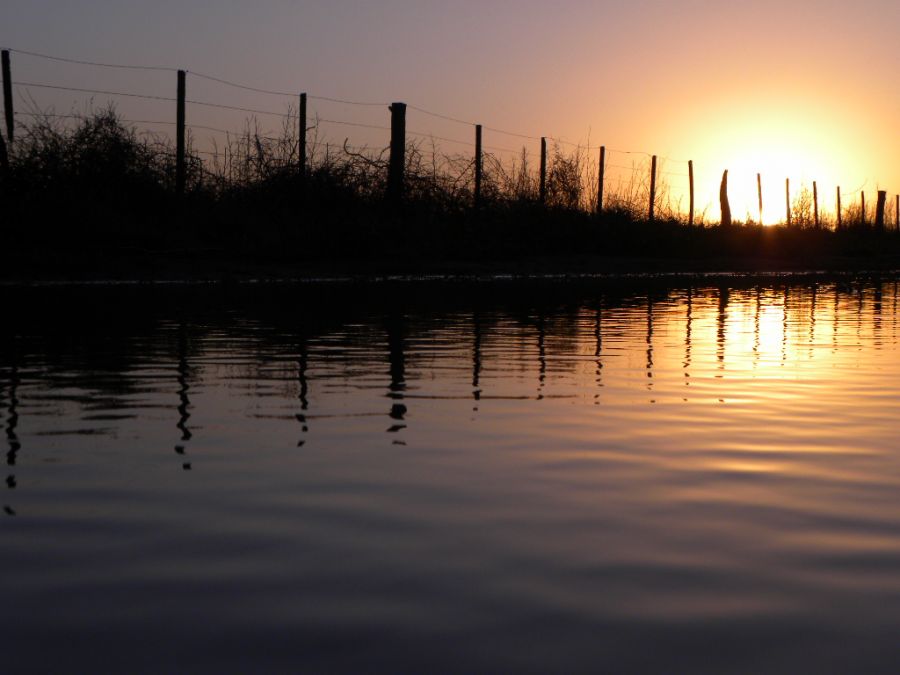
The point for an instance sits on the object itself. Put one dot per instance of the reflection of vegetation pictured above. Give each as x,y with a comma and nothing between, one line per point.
100,185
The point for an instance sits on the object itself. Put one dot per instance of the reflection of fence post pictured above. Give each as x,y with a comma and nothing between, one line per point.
691,182
479,165
302,149
398,152
862,208
879,210
7,96
652,209
759,196
179,136
543,186
601,178
816,204
787,197
840,216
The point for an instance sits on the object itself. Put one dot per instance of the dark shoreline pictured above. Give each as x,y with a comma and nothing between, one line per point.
149,267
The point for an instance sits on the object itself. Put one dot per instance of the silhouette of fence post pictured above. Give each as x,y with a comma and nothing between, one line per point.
787,197
897,213
723,201
8,97
840,216
601,178
398,152
862,208
179,136
652,210
879,210
543,187
301,152
479,165
759,195
691,186
816,204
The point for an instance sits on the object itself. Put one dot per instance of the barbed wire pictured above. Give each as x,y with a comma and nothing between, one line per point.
90,63
275,92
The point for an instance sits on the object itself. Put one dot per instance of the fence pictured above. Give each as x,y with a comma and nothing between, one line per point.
648,179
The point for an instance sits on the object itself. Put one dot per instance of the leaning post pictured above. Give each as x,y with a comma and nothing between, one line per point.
759,196
652,211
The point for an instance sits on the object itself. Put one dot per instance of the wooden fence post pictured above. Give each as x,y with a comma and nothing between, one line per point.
724,204
840,216
179,136
897,213
787,197
601,178
301,152
691,186
543,186
759,196
4,156
816,204
652,210
479,165
862,208
8,97
398,152
879,210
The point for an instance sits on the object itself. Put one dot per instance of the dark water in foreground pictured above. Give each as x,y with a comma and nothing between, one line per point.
402,478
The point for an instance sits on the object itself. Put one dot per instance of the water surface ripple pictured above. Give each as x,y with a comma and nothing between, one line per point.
415,478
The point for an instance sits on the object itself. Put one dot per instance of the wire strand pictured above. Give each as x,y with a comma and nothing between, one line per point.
93,91
92,63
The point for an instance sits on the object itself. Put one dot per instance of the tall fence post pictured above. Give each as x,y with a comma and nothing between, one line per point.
179,136
543,186
7,97
840,215
879,210
301,151
398,152
787,198
759,196
600,178
652,210
691,185
816,204
862,208
479,165
897,213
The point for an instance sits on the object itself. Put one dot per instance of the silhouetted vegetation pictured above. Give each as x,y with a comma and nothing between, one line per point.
98,190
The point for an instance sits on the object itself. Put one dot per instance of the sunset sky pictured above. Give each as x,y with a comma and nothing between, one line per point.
806,90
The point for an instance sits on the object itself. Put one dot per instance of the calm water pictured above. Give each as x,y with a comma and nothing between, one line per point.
429,477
